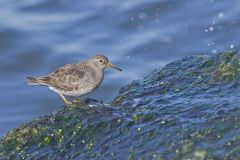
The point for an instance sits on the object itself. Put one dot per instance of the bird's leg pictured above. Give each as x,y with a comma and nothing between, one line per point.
75,100
64,99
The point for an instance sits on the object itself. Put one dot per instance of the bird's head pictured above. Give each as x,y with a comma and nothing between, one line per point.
102,62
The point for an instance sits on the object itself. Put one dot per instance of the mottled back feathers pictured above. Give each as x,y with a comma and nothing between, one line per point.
71,79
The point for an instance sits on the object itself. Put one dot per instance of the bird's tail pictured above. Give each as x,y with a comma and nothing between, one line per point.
32,81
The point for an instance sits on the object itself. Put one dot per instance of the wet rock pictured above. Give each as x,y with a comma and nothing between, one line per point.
188,110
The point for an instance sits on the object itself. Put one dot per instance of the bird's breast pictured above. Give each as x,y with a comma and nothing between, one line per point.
96,78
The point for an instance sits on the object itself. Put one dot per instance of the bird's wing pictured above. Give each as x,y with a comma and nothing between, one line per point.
64,78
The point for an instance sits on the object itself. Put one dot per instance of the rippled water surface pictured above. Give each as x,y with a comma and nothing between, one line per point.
37,36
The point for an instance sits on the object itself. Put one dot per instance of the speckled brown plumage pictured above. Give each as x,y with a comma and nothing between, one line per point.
75,79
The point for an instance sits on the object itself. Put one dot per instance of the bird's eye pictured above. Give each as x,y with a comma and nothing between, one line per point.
101,61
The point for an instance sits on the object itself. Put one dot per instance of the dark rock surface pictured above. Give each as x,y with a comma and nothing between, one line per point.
188,110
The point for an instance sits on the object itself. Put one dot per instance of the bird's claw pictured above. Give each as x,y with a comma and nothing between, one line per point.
68,103
76,101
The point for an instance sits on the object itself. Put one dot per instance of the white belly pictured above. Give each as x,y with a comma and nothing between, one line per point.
80,92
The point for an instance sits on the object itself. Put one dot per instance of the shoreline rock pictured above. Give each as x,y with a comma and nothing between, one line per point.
187,110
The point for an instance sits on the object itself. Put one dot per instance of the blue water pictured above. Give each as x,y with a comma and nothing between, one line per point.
37,36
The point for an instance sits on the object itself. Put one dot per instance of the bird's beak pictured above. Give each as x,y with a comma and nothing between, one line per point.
114,67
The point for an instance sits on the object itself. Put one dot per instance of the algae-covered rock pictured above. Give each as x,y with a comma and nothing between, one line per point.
188,110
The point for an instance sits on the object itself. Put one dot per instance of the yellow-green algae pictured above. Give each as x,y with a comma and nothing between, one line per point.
135,118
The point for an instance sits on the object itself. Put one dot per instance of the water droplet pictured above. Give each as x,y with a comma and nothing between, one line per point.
211,28
220,15
214,51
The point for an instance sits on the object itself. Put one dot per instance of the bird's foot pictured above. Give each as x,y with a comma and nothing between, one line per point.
68,103
78,102
71,104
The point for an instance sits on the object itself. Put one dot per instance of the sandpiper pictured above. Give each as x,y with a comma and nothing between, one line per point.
75,79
